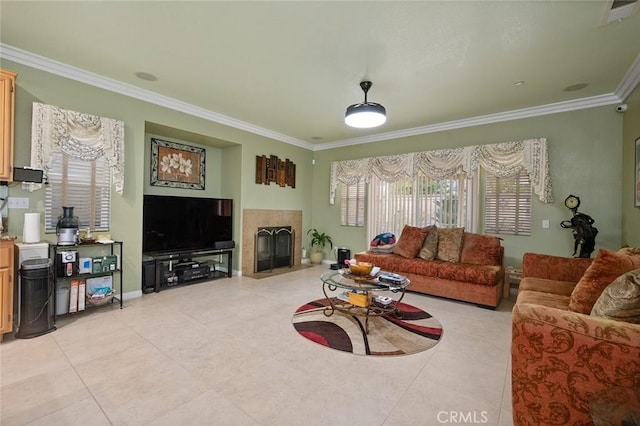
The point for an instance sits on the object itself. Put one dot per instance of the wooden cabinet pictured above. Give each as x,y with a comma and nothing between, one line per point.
7,96
6,286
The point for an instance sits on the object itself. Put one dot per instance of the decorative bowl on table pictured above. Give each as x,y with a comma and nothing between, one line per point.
362,269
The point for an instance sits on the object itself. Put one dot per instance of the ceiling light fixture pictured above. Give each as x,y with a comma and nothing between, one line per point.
367,114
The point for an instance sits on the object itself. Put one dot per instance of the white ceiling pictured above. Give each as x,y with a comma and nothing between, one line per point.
288,70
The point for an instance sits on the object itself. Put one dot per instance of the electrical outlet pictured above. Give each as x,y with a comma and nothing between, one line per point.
18,203
545,223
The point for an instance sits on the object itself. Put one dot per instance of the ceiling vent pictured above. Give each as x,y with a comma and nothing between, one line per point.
620,9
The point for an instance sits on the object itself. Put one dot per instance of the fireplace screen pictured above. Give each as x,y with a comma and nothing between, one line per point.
274,248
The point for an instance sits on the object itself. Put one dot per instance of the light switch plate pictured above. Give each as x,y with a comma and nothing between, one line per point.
18,203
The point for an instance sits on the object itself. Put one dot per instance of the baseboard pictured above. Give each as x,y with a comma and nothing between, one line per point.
131,294
324,261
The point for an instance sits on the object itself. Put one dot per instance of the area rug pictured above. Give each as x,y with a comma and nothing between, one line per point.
412,331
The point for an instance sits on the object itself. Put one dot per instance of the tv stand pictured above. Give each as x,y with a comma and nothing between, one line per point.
164,270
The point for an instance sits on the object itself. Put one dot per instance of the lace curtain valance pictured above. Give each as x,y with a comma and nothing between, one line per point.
83,136
502,159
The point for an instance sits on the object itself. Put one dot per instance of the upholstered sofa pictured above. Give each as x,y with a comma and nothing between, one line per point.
575,350
446,262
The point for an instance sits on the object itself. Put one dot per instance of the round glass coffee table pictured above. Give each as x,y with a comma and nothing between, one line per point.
356,295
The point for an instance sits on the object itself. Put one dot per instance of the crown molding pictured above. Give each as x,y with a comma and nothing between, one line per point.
630,81
624,89
67,71
577,104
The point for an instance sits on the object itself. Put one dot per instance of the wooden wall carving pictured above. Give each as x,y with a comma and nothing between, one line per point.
272,169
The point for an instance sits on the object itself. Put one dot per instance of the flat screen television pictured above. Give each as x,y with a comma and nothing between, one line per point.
176,224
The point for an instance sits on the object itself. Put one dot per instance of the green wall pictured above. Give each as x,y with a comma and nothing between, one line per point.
585,151
630,214
236,159
231,171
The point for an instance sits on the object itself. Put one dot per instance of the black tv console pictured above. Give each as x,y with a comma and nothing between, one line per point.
163,270
193,271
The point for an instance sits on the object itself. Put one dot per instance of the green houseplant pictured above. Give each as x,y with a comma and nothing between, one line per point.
318,242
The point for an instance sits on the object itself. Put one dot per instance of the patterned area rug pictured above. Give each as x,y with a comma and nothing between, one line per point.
414,331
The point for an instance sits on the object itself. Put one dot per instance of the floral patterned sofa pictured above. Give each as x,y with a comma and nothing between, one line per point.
575,347
446,262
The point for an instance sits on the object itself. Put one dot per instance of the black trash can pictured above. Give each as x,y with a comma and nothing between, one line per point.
37,308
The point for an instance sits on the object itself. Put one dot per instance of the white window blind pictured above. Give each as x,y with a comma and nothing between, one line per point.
508,204
352,204
420,201
83,185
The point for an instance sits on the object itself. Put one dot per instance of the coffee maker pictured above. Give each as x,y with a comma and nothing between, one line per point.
67,228
343,254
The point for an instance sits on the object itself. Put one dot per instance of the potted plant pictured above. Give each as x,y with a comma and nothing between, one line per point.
318,242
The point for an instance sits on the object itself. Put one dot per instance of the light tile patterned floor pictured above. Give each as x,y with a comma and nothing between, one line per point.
225,353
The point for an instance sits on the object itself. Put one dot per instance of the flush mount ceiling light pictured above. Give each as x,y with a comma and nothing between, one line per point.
367,114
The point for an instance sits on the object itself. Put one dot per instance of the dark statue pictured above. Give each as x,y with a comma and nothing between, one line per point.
584,233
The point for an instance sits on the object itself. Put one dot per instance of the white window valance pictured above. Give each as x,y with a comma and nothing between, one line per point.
502,159
83,136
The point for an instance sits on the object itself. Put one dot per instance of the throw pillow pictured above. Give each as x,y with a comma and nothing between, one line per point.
410,241
621,299
480,249
606,267
430,246
450,244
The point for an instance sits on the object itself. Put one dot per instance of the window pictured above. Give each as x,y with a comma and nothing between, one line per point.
420,201
352,204
83,185
508,204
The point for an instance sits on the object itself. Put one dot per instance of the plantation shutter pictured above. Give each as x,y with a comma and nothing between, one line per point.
83,185
419,201
352,204
508,204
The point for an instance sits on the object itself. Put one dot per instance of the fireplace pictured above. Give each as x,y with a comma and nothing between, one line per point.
273,248
254,219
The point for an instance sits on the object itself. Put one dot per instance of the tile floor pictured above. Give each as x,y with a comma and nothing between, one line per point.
225,353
